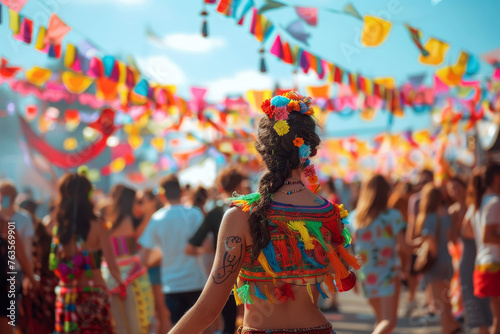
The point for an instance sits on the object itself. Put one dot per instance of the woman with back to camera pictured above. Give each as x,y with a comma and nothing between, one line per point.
133,313
434,223
380,241
147,203
80,241
277,246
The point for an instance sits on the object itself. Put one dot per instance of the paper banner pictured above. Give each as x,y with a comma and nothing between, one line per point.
437,50
472,65
269,5
14,22
375,31
38,76
56,30
319,92
40,40
76,83
440,86
309,15
416,35
257,97
58,158
106,89
8,72
417,80
15,5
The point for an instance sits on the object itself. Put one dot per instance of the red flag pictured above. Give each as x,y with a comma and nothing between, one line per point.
309,15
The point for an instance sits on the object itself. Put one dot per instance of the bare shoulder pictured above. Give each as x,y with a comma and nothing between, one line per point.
236,219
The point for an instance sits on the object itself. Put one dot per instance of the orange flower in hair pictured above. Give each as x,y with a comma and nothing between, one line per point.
298,142
293,95
313,179
293,106
267,108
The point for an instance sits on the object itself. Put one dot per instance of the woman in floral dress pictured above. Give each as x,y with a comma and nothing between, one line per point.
380,240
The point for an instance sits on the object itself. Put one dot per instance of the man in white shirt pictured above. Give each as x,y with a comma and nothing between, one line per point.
487,236
170,228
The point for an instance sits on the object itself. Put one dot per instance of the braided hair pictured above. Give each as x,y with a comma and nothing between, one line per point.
280,156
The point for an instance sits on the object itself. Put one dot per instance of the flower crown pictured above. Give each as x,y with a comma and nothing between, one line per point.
278,109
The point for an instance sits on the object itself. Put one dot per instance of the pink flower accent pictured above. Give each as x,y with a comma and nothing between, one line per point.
281,114
367,236
309,171
371,279
386,252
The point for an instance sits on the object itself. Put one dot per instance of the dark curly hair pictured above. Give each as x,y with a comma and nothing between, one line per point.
280,156
74,209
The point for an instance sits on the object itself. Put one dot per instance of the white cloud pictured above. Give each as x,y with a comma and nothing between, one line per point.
240,83
162,69
194,43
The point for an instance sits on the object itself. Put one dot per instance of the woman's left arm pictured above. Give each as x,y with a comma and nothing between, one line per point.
229,257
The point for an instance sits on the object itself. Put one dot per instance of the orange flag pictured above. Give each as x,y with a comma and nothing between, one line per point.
375,31
437,50
56,31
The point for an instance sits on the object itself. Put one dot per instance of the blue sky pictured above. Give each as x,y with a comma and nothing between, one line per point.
227,62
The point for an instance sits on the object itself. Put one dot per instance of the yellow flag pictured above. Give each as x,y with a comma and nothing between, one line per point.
40,39
76,83
256,97
452,75
38,75
69,55
375,31
14,22
437,50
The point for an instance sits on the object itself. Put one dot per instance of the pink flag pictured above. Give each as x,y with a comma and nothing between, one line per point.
15,5
56,31
309,15
277,48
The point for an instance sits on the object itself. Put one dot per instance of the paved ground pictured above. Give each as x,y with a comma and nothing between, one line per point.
356,317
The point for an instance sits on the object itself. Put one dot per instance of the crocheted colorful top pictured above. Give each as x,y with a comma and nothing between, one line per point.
305,240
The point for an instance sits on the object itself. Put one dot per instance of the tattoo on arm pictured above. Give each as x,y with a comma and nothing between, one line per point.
231,260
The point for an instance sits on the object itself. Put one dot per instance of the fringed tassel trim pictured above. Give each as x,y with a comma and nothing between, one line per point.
236,297
349,258
329,283
244,294
309,292
300,226
259,294
263,262
340,270
320,290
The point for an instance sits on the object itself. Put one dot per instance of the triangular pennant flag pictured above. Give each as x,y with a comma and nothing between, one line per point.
338,75
449,76
461,65
353,82
296,50
40,39
55,51
56,30
258,33
277,48
437,50
417,80
287,54
69,55
108,62
77,67
269,5
95,68
349,9
297,30
76,83
38,75
472,65
15,5
440,86
415,36
375,31
14,22
309,15
225,7
248,5
142,88
122,69
304,61
25,33
253,22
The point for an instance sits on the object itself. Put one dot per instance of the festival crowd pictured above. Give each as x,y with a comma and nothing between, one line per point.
145,255
135,261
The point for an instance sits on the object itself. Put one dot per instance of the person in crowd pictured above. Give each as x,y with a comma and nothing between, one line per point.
477,310
80,242
39,307
456,191
400,198
380,242
169,229
333,196
24,227
425,177
487,237
200,198
229,180
277,246
433,223
134,312
8,318
147,203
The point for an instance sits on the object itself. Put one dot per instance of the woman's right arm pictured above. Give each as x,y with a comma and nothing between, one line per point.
109,254
231,248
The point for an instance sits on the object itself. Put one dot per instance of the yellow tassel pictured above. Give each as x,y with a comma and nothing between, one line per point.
236,297
269,296
300,226
263,262
340,270
310,292
329,283
351,260
343,212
